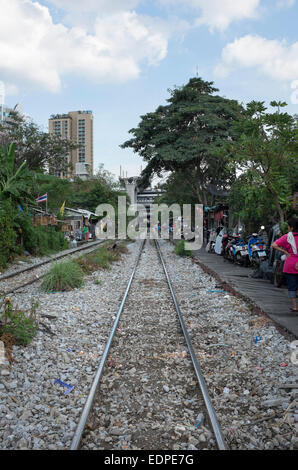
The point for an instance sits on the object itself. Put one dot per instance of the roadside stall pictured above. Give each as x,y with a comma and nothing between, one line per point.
80,223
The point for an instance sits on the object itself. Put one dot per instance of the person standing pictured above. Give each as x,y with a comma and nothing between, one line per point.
288,245
86,232
219,238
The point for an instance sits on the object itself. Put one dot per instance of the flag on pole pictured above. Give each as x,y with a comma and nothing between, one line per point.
62,209
42,198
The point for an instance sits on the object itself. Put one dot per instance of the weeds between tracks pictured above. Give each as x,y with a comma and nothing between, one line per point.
19,327
69,275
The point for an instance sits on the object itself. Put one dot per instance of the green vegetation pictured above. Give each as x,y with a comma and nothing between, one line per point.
68,275
101,258
185,135
180,249
220,152
35,149
265,157
19,324
42,241
63,276
8,235
25,155
215,150
17,232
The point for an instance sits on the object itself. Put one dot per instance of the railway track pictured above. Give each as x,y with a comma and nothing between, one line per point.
164,362
147,395
12,282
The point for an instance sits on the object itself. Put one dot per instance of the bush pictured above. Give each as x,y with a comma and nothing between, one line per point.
49,240
41,240
101,258
63,276
17,323
180,249
7,234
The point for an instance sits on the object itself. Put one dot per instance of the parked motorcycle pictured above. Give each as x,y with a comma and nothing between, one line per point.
278,274
256,250
235,250
211,242
226,245
240,252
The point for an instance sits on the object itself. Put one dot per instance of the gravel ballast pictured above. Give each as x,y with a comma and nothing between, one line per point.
245,360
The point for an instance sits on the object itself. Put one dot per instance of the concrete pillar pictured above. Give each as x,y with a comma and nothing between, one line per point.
131,187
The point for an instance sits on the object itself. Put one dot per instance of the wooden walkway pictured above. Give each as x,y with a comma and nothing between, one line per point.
272,301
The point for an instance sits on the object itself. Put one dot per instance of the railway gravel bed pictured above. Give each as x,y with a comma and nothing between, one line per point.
245,360
247,364
21,276
35,411
148,398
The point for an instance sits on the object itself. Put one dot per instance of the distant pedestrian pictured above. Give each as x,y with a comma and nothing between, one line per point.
86,232
288,245
159,229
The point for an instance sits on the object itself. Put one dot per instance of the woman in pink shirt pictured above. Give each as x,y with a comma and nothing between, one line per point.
288,245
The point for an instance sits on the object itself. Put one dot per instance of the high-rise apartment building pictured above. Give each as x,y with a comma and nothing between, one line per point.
7,114
78,127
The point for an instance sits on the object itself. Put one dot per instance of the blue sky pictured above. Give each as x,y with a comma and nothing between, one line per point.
119,57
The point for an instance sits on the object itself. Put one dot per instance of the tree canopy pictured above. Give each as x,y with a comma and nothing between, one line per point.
40,150
265,159
186,135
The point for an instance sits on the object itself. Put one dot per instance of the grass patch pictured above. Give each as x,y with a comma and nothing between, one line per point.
101,258
69,275
180,249
15,323
63,276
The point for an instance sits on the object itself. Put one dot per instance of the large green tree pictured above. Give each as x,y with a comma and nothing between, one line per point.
15,180
57,189
102,188
185,136
15,189
265,159
40,150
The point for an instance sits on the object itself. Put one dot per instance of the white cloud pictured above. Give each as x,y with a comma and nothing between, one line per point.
285,3
84,12
219,14
98,6
36,52
273,58
123,32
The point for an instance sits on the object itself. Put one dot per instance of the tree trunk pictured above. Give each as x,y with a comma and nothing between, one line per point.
279,209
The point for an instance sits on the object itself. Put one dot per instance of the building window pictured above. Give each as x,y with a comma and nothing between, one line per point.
82,155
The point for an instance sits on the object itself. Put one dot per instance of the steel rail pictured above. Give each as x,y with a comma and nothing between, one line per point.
36,266
53,258
88,404
212,415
